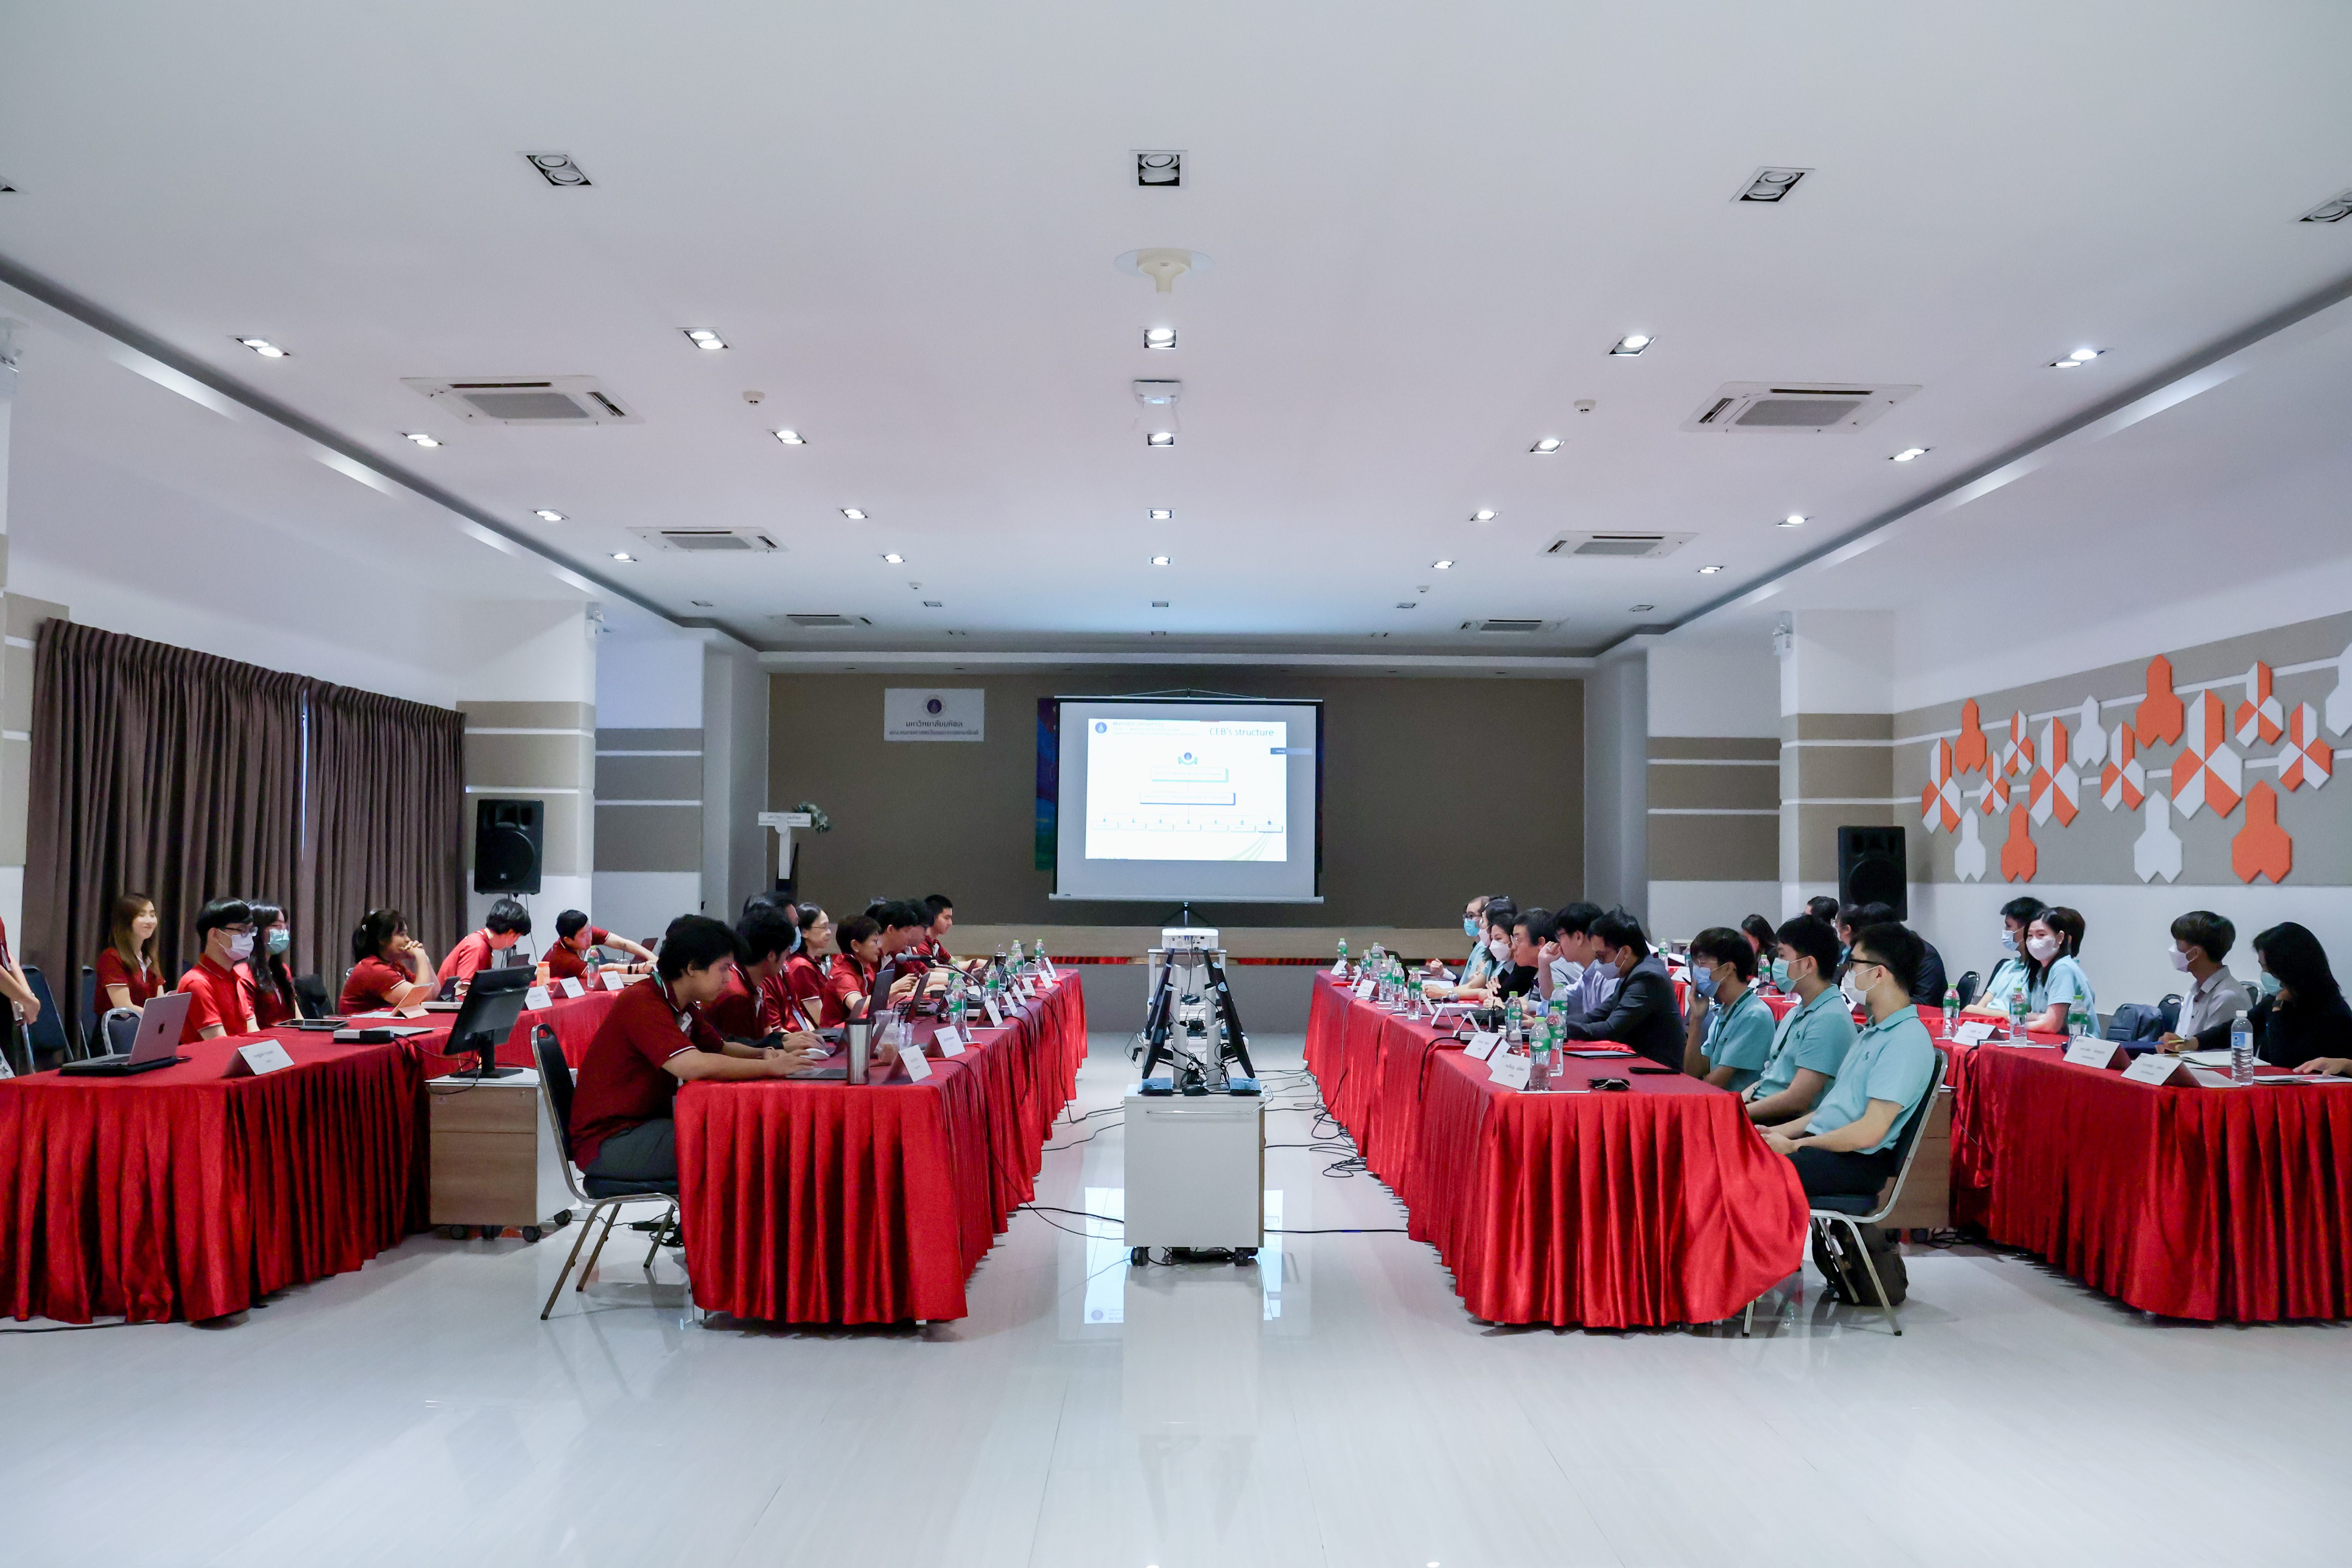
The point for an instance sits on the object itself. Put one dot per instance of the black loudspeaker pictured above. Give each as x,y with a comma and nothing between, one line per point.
506,846
1873,869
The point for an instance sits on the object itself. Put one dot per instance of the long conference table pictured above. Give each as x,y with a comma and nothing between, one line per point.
189,1194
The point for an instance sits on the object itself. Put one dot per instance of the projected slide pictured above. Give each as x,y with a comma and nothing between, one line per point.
1187,789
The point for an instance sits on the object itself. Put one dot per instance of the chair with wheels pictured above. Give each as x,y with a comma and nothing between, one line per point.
594,1195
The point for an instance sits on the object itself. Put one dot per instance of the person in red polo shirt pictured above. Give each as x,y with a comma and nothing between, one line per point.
794,1000
127,974
507,924
764,940
934,942
274,999
224,996
651,1041
850,982
389,967
575,940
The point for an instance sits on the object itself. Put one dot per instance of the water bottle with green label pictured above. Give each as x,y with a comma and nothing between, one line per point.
1340,969
2078,1024
2017,1012
1951,1009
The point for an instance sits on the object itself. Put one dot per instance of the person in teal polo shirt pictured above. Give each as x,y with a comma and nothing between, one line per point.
1810,1045
1848,1145
1730,1029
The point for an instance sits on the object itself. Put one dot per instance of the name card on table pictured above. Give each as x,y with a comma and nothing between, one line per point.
537,997
1510,1069
2155,1068
917,1066
951,1039
1482,1046
572,988
261,1057
995,1013
2095,1054
1363,990
1975,1032
1046,964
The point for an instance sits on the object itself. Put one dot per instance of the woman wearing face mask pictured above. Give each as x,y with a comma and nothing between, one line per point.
2301,1020
222,991
1482,977
272,976
1730,1030
2056,985
2010,974
127,974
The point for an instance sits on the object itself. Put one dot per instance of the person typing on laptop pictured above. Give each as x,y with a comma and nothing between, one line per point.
223,995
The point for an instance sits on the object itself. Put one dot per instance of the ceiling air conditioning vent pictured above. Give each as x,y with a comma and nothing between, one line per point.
827,619
1623,546
1502,625
707,541
1813,408
556,400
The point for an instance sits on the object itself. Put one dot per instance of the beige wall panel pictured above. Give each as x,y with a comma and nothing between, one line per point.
528,715
1714,849
649,739
649,778
1706,786
523,762
1741,748
650,838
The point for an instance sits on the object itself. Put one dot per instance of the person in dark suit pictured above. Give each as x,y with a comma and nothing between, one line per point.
1643,1013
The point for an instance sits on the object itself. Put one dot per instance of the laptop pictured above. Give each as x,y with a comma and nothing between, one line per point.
156,1046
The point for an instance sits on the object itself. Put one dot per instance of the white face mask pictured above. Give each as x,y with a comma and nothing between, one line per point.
1854,994
1500,948
240,947
2042,948
2008,940
2179,960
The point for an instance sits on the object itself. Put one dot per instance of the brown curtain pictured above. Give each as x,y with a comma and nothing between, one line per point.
385,809
158,769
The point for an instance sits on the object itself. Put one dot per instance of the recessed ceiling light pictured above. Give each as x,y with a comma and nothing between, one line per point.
1546,447
421,438
1482,515
623,555
1792,520
1160,561
2081,355
2335,209
1161,514
265,347
1160,337
1771,185
1708,570
791,437
1158,604
1404,604
703,338
1909,453
557,168
1160,438
1640,609
895,559
853,514
1443,566
1627,347
547,514
932,604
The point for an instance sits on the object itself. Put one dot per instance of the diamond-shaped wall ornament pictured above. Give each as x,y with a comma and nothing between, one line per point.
2123,783
2258,720
2206,771
2308,760
2089,736
2017,752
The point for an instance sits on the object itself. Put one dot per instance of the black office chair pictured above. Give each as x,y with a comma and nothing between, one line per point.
86,1021
46,1033
119,1028
1966,987
310,996
593,1194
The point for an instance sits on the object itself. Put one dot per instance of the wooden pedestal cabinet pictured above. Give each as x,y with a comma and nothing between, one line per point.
495,1163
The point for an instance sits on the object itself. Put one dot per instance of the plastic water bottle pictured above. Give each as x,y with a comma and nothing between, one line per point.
1951,1010
1340,969
1539,1060
2078,1024
2017,1015
2242,1050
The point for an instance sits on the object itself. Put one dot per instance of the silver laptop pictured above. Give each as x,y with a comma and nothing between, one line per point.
157,1044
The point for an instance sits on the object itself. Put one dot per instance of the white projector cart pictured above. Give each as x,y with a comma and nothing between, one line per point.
1195,1163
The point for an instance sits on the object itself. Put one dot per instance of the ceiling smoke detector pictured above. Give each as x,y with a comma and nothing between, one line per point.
552,400
1619,546
1161,168
1162,264
710,541
1771,185
1818,408
558,169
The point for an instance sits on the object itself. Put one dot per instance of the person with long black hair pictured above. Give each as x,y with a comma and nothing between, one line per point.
274,1001
129,975
2302,1020
389,967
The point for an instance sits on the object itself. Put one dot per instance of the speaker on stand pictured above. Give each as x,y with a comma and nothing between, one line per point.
506,845
1872,868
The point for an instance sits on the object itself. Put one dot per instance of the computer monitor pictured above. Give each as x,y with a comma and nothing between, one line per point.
494,1000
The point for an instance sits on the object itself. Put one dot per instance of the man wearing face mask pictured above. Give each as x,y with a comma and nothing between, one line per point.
1730,1031
1928,986
1849,1146
1576,978
1643,1014
2012,972
1809,1046
223,997
2201,940
1491,959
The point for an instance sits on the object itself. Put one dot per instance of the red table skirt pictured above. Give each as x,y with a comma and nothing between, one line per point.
2219,1205
184,1194
834,1203
1657,1206
576,1020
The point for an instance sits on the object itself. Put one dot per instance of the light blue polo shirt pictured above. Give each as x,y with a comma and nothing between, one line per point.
2008,975
1815,1035
2064,984
1740,1037
1892,1059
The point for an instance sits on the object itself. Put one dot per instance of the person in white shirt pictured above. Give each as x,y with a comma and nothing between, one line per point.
1574,975
2200,941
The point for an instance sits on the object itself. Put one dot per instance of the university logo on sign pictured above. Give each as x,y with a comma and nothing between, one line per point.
918,713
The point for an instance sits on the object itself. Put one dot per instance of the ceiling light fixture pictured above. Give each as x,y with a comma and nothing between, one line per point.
895,559
1160,337
853,514
1546,447
547,514
1160,561
1160,438
1708,570
558,169
2080,357
703,338
1627,347
265,347
1443,566
1771,185
1161,514
420,437
1482,515
2335,209
791,437
1640,609
623,555
1792,520
1907,454
1158,604
933,604
1404,604
702,603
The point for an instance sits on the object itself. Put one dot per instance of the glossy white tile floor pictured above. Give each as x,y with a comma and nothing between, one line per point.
1337,1409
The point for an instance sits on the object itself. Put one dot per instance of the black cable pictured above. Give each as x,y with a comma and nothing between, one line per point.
1350,1230
77,1328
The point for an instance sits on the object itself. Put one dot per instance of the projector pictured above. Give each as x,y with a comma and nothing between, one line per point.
1188,939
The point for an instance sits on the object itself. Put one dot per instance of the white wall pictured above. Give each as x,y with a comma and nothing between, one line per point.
650,679
1722,688
738,854
1616,783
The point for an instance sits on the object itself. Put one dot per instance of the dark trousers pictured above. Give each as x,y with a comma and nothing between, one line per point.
645,1152
1829,1172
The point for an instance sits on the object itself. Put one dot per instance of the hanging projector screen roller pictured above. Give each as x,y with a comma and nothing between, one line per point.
1186,799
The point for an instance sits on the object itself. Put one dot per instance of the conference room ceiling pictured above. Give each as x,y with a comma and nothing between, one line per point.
1428,226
